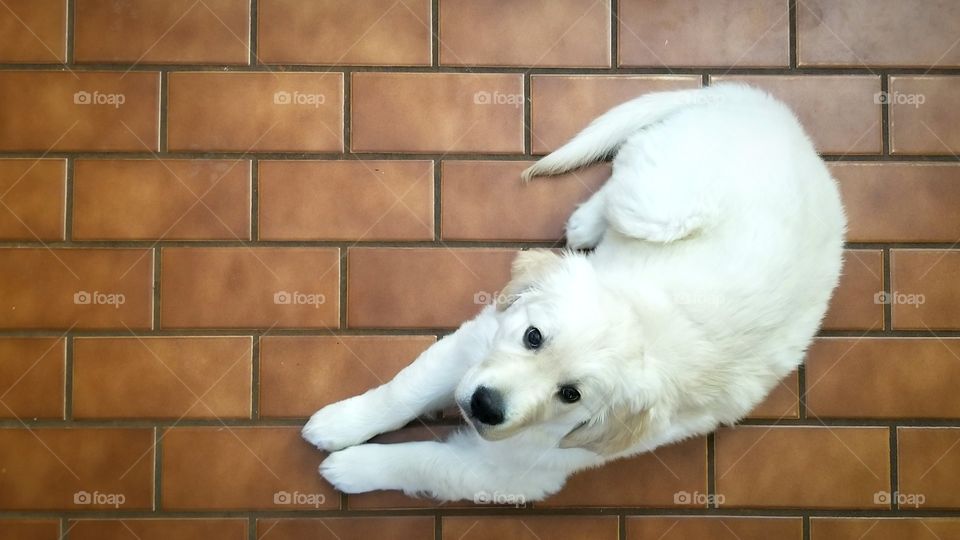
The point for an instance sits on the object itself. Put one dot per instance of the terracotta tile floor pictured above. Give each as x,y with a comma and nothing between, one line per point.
217,216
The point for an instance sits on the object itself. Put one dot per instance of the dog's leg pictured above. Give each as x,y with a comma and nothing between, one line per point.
653,205
463,467
588,222
425,385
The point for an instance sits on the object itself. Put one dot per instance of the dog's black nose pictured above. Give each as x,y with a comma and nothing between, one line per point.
486,405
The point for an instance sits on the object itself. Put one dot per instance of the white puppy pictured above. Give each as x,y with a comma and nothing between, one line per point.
718,243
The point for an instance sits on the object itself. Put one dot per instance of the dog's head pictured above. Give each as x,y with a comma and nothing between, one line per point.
565,357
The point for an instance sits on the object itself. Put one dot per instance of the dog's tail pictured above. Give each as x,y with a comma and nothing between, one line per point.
605,134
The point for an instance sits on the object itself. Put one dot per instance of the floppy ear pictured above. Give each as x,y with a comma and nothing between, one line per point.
610,432
528,267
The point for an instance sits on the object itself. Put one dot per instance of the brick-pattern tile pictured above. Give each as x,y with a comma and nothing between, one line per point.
79,111
924,292
669,476
698,33
841,113
485,200
32,199
447,286
860,33
161,199
235,468
883,378
814,467
871,528
159,529
681,527
923,115
76,288
541,33
928,461
243,112
408,528
436,112
162,377
32,377
301,374
855,304
33,31
346,200
530,527
34,529
373,32
562,105
782,402
249,287
170,32
76,469
900,202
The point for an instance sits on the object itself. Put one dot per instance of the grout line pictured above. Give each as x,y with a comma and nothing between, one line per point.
435,34
894,467
802,391
437,527
255,378
885,115
67,380
252,523
793,46
253,46
805,534
164,103
347,107
712,470
68,201
157,472
344,253
437,200
887,287
71,31
621,526
615,34
157,269
254,172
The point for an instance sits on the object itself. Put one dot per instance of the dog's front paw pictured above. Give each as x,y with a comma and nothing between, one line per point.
357,469
338,426
585,228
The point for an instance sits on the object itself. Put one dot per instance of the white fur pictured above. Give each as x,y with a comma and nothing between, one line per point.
718,243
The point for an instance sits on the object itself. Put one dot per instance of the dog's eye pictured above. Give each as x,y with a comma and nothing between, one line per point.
569,394
532,338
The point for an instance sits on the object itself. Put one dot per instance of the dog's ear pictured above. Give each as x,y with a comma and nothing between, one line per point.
528,267
612,431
